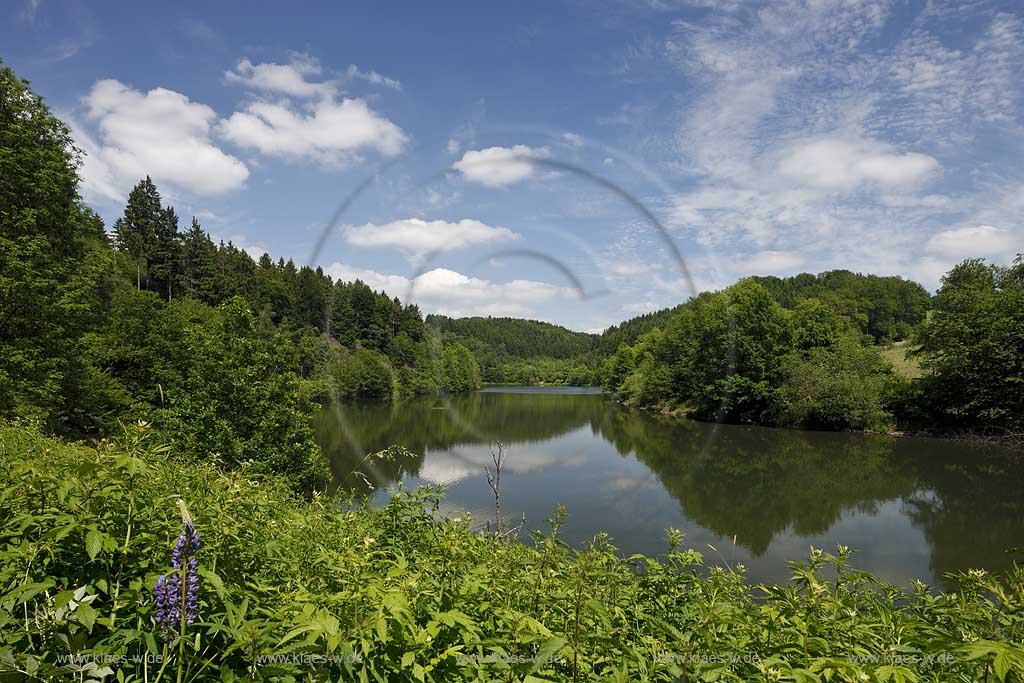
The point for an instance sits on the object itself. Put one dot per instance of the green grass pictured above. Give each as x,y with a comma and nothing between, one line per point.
337,590
896,355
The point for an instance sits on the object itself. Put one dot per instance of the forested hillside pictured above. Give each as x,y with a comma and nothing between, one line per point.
628,331
516,351
886,308
882,309
517,338
222,353
803,351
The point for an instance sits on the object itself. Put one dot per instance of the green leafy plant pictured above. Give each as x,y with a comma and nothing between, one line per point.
327,588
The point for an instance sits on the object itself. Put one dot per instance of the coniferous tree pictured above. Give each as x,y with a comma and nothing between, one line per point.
239,274
312,299
411,322
199,264
343,319
289,277
165,253
272,290
136,230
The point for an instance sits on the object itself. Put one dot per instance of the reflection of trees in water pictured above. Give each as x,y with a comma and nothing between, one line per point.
347,432
748,482
971,506
752,482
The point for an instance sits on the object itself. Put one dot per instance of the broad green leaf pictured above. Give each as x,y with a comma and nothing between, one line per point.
86,616
93,543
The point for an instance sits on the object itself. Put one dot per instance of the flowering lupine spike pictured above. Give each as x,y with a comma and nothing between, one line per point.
177,593
186,519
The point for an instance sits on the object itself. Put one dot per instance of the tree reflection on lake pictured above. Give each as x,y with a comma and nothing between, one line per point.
911,507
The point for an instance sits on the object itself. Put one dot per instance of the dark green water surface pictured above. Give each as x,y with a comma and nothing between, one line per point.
911,507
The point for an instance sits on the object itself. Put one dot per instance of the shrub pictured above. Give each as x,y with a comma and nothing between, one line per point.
844,386
330,589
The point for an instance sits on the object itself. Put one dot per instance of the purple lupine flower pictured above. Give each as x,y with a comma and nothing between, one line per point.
177,593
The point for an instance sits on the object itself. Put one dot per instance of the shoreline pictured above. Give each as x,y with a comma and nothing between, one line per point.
1007,441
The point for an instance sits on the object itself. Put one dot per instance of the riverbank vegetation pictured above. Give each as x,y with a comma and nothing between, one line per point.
837,350
739,355
803,351
290,589
973,348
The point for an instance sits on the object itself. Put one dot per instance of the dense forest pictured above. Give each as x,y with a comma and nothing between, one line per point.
516,351
812,351
806,351
517,338
885,308
224,354
629,331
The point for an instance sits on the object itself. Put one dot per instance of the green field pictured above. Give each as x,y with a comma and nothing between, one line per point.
897,356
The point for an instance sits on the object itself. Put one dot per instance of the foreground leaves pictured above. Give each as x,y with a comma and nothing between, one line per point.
331,589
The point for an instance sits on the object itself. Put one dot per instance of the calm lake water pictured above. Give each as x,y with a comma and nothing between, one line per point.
910,507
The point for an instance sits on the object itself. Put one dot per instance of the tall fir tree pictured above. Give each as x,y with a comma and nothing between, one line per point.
135,231
312,299
199,264
165,254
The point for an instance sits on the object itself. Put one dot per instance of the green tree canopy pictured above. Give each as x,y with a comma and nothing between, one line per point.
974,347
54,268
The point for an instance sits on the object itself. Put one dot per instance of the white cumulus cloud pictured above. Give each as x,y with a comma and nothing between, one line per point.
768,262
843,165
419,235
451,293
160,133
977,241
289,79
327,131
497,166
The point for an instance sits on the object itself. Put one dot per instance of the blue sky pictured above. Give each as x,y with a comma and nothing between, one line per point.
501,146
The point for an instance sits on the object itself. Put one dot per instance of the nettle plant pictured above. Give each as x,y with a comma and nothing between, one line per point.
101,578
